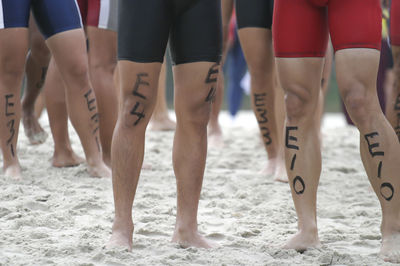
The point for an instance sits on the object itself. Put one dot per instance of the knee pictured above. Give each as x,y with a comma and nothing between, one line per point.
103,67
77,71
357,102
195,116
136,112
40,52
12,69
298,104
261,74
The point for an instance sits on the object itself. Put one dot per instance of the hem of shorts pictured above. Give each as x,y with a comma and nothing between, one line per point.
195,59
254,26
140,60
299,54
102,27
395,40
63,30
358,46
13,26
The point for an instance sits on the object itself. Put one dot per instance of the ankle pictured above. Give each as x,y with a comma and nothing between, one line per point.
124,225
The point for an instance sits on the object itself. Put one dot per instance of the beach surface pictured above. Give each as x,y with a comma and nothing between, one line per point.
63,217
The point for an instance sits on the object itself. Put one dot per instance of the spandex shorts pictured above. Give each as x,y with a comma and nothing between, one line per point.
301,27
395,23
254,13
101,14
52,16
193,28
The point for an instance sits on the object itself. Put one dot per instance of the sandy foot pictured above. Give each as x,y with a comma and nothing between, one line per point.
13,171
280,174
191,239
66,159
33,131
302,241
165,124
390,249
120,240
99,170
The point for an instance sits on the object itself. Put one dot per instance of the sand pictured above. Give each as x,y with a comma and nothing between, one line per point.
64,217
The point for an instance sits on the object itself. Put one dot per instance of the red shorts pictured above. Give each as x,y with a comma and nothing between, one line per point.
395,23
301,27
99,13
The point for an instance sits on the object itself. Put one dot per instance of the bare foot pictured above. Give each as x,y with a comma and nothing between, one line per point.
121,238
215,138
99,169
280,174
33,131
13,171
66,159
302,241
390,249
270,168
164,124
146,166
191,239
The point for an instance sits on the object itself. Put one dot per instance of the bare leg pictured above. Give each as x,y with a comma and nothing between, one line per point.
102,61
138,90
36,68
14,46
215,138
257,48
192,106
380,150
301,80
69,51
393,103
326,77
63,155
280,114
160,120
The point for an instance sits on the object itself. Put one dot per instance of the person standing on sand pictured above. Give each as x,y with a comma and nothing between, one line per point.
193,28
301,29
60,23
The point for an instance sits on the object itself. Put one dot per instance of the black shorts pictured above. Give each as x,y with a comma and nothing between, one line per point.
254,13
193,28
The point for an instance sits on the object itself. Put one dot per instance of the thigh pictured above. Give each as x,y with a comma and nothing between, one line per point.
54,17
255,13
197,33
355,24
300,29
103,47
14,13
257,48
395,23
143,30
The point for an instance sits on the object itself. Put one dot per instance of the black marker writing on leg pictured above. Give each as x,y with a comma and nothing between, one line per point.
291,138
212,77
260,104
9,104
292,164
266,135
139,114
140,82
372,146
40,83
298,185
10,114
90,100
387,191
